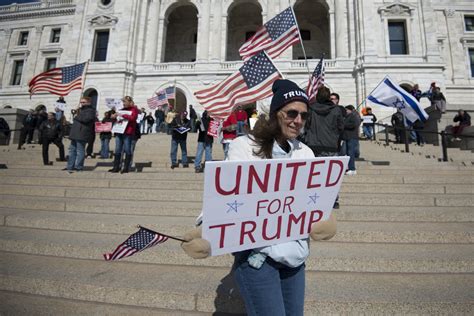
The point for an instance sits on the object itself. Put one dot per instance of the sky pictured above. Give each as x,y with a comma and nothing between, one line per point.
6,2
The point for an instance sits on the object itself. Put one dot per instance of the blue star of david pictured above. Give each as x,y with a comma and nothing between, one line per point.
233,206
399,104
313,198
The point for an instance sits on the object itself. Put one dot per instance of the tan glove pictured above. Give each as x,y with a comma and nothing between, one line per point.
324,230
195,246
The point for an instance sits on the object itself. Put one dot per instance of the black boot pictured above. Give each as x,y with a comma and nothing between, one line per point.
126,164
116,167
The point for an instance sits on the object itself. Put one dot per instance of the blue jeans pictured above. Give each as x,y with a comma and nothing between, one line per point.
174,152
77,151
158,125
274,289
352,151
202,146
240,128
368,131
123,143
104,149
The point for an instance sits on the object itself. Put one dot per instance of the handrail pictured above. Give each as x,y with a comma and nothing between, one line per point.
444,137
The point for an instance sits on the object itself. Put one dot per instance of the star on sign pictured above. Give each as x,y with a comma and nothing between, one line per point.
399,104
313,198
233,206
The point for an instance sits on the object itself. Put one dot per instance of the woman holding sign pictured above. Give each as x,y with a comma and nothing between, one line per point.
129,114
271,279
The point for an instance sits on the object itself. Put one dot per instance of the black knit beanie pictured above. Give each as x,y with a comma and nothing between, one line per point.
284,92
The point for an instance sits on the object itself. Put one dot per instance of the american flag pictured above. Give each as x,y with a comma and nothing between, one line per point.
275,36
139,241
170,93
252,82
152,102
59,81
316,80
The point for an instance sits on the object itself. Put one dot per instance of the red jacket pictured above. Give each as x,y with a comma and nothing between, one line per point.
132,120
231,120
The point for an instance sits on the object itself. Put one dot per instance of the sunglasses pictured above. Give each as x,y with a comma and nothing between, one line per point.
293,114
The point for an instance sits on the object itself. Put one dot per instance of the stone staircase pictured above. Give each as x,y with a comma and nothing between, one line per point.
404,243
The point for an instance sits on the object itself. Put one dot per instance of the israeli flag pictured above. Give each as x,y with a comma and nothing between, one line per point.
390,94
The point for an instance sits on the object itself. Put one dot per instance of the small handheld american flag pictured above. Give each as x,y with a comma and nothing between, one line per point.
139,241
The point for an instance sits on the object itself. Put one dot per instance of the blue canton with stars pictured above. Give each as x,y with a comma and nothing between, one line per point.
71,73
280,24
140,239
257,69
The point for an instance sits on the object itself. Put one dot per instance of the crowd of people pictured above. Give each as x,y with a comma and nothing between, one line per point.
331,129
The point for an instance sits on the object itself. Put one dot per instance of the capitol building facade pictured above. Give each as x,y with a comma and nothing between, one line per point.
138,47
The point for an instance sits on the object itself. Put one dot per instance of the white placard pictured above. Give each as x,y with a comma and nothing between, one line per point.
114,103
61,106
367,119
140,117
120,126
251,204
252,122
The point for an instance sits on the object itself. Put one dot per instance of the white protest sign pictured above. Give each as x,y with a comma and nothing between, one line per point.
120,126
140,117
367,119
114,103
60,106
251,204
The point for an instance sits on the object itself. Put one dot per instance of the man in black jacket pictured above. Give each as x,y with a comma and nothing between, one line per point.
28,129
82,131
51,132
324,125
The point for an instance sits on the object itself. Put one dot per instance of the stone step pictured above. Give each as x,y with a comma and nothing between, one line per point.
27,304
212,289
324,256
381,232
198,185
369,169
191,209
413,199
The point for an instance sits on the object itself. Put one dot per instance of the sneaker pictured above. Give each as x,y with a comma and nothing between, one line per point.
198,170
185,165
336,205
49,163
351,172
175,165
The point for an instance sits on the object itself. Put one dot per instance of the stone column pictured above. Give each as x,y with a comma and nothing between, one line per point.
215,46
34,64
341,30
3,66
160,49
202,49
332,32
143,18
151,39
223,36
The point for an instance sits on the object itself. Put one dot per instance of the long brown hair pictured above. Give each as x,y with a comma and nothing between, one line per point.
265,132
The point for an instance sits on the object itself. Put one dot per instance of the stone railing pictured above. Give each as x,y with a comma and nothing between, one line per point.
15,7
174,67
229,66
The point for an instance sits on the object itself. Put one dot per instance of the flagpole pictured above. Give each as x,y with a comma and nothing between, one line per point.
301,40
386,76
152,231
84,78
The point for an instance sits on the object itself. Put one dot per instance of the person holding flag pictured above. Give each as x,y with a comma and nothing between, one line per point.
271,279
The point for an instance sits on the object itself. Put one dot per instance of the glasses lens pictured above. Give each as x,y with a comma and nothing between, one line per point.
292,114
